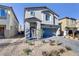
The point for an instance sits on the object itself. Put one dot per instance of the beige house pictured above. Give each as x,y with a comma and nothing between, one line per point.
67,23
77,24
8,22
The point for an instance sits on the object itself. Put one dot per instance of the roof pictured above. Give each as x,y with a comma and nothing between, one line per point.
68,18
14,14
50,11
32,19
36,8
6,7
40,8
2,6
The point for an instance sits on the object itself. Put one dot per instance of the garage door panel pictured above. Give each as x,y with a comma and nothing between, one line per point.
48,32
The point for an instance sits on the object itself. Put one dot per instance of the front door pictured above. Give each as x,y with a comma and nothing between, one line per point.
33,33
1,31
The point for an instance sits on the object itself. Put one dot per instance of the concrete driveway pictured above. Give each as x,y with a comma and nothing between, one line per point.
74,44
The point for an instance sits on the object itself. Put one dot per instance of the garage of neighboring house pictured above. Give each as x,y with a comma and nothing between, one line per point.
2,28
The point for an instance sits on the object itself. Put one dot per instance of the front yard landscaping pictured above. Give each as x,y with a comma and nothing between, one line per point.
50,48
54,46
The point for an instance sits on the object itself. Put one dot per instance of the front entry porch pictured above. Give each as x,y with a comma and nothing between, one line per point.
32,31
33,34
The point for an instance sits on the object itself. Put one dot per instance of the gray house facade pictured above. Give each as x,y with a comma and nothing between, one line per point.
8,22
40,22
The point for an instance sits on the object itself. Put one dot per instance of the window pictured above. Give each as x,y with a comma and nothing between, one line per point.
32,13
47,17
2,13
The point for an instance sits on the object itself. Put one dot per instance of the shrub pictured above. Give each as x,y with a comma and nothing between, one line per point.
26,41
44,41
62,50
27,51
52,41
52,44
51,53
44,53
68,48
31,43
54,53
59,43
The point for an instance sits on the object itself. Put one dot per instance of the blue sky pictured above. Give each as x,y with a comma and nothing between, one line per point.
62,9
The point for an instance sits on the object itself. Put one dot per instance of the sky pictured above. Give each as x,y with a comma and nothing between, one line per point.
62,9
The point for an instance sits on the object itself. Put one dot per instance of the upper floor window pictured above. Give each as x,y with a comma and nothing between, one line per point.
32,13
2,13
47,17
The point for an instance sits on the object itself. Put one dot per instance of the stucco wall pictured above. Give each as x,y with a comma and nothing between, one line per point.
41,16
67,23
77,24
11,24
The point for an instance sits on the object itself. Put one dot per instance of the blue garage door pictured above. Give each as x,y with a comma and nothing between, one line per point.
48,32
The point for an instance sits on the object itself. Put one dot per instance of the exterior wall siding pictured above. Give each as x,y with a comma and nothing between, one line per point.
11,24
77,24
41,16
67,23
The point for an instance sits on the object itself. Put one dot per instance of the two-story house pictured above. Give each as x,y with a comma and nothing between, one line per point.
67,23
77,24
40,22
8,22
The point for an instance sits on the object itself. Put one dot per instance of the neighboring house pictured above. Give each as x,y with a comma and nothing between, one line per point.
77,24
40,22
21,28
67,23
8,22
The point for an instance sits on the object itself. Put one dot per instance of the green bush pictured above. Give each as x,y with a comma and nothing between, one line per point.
44,41
30,42
27,51
54,53
51,53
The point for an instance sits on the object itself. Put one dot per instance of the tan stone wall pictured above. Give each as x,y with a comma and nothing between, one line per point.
67,23
77,24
